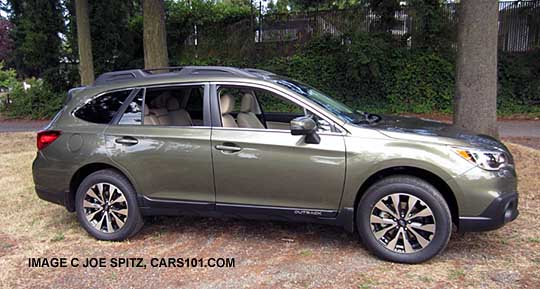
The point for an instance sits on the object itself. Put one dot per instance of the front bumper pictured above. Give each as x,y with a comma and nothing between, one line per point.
502,210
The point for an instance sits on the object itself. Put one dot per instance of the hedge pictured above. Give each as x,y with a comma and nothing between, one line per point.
364,71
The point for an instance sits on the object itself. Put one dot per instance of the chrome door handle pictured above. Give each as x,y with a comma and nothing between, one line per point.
228,148
126,141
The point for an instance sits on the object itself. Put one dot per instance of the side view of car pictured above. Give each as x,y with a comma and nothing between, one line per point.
231,142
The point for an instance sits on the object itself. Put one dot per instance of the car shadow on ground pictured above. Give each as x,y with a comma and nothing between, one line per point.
305,234
162,230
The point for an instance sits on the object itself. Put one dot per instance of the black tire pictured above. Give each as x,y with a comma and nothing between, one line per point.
133,221
405,185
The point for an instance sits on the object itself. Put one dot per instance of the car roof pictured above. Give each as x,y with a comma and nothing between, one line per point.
132,78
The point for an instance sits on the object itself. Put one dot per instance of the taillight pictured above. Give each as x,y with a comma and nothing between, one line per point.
46,137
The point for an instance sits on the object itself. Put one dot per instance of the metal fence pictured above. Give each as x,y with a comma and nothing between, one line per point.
283,34
519,25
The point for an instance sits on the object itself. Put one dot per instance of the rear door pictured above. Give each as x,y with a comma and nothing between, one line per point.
168,159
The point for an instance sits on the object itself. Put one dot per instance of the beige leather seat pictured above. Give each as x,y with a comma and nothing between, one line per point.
162,115
177,115
149,119
227,106
246,118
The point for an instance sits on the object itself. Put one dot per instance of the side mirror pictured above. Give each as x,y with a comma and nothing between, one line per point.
305,125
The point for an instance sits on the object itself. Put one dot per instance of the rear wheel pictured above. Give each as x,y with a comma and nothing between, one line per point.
404,219
107,207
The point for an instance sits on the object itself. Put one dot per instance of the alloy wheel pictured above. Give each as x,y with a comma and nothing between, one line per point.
403,223
105,207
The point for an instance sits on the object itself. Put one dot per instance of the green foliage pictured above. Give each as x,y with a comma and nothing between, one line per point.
37,102
519,82
37,44
6,43
434,29
366,71
210,18
7,77
114,44
7,81
369,74
419,82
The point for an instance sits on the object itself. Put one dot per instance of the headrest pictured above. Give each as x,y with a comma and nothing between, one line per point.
227,103
173,104
247,102
146,110
160,111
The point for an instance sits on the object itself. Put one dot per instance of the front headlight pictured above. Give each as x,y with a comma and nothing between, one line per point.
491,160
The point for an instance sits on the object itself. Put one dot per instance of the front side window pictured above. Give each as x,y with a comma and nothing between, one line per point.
272,103
102,109
255,108
337,108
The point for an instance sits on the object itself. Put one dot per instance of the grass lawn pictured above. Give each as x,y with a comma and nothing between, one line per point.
267,254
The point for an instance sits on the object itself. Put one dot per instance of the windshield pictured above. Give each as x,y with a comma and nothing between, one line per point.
339,109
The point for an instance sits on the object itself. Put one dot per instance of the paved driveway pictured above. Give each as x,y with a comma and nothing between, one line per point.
22,125
520,128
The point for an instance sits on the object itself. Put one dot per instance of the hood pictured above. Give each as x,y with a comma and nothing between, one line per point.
432,131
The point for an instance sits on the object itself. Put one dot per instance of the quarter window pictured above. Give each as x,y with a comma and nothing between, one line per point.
103,108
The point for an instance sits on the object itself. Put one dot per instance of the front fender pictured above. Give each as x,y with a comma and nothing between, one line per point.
366,158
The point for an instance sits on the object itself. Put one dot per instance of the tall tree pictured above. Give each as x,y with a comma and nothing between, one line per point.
154,34
36,35
475,100
86,62
6,45
116,28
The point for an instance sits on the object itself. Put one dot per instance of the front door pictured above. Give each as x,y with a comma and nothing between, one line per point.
162,142
261,164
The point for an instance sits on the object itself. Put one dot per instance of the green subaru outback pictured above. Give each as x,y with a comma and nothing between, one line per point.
230,142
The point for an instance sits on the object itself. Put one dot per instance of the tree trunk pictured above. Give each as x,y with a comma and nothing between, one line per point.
154,35
84,40
475,101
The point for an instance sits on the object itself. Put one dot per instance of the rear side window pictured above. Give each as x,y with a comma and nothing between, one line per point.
133,113
103,108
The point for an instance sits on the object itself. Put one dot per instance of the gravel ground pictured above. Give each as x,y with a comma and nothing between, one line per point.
267,254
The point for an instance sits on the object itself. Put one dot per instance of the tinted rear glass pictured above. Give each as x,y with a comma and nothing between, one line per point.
103,108
133,113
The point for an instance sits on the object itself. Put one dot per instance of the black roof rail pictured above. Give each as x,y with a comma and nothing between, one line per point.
71,92
120,75
259,71
215,70
166,69
133,74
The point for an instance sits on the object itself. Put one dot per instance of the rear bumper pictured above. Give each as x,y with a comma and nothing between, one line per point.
60,198
502,210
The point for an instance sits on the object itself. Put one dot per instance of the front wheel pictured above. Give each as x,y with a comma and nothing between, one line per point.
404,219
106,206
